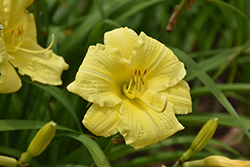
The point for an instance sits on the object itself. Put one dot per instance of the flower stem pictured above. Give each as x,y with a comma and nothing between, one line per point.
177,163
115,140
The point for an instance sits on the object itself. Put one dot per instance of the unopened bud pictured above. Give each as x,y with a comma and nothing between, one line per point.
216,161
38,144
7,161
200,141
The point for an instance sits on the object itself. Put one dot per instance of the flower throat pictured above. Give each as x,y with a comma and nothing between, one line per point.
136,88
20,37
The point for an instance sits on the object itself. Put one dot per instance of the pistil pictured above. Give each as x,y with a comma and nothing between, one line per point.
20,38
136,88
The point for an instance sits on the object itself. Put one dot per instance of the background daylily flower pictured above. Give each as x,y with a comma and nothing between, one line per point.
19,48
216,161
136,87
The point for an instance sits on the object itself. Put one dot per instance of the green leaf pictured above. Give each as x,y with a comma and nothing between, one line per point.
233,8
238,87
94,149
208,82
59,95
10,125
224,120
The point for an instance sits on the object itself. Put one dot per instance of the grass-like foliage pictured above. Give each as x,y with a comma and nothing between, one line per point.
211,38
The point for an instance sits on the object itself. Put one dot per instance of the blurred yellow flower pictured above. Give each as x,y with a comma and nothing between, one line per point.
136,87
216,161
19,48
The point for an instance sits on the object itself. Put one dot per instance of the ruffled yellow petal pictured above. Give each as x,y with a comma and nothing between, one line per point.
22,19
100,77
44,67
9,80
4,56
179,95
124,39
163,67
142,127
14,11
30,30
102,121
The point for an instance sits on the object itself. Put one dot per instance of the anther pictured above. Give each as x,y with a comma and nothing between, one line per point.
142,81
133,79
21,28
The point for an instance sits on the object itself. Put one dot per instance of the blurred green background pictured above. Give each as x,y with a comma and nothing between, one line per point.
211,37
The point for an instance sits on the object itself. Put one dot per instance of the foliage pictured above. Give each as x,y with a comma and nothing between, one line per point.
211,39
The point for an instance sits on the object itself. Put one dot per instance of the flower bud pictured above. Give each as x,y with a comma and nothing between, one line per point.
7,161
41,140
216,161
200,141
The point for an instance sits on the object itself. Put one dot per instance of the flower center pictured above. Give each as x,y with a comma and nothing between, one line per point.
135,88
19,37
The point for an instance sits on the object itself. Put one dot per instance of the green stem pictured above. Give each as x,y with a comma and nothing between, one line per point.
178,9
176,164
115,140
109,147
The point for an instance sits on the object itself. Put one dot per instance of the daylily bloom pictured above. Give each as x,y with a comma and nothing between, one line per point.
19,49
216,161
136,87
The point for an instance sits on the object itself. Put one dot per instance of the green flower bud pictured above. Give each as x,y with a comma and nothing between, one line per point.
200,141
7,161
41,140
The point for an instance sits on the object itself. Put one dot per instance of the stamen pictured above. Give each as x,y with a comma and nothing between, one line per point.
21,28
142,80
135,88
40,51
139,84
133,79
12,37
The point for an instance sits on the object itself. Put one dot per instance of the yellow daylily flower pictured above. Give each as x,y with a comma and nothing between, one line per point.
19,49
216,161
136,87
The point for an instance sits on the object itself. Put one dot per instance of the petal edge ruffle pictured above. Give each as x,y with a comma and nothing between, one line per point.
124,39
179,95
44,67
